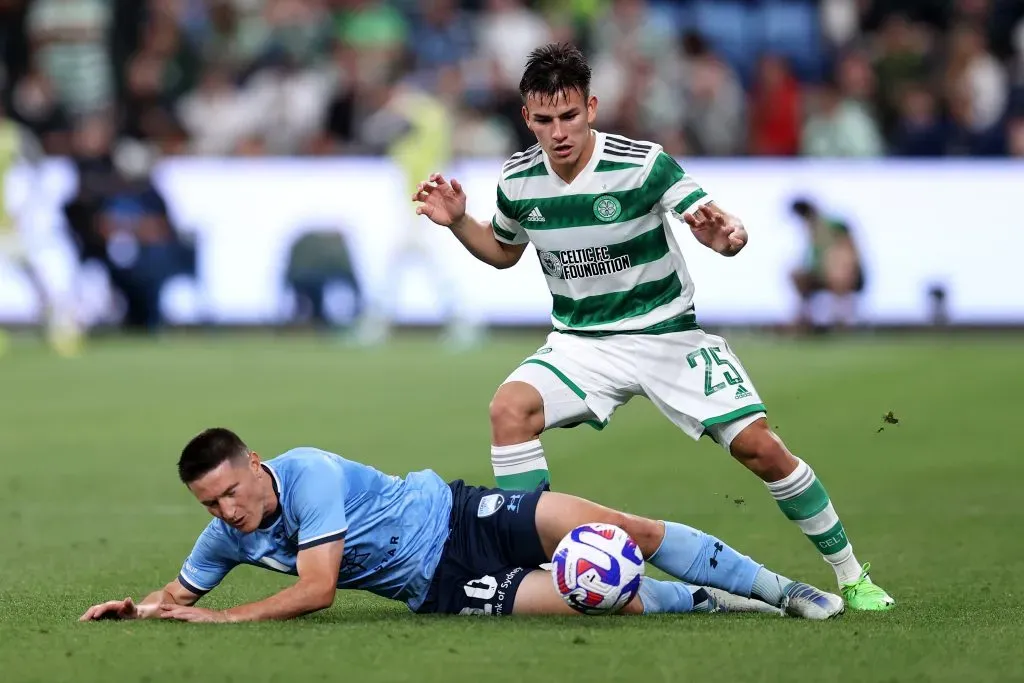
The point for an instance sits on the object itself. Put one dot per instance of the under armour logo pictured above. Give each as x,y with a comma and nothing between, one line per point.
714,562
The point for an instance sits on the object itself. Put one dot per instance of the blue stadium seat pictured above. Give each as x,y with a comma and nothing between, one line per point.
792,28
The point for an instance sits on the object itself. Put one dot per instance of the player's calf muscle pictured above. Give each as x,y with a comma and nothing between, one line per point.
517,414
762,452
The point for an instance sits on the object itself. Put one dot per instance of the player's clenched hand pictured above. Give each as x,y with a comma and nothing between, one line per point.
196,614
442,202
716,230
118,609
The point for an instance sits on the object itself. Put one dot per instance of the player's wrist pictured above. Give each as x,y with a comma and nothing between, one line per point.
459,223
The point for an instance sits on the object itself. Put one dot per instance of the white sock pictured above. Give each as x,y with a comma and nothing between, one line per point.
520,467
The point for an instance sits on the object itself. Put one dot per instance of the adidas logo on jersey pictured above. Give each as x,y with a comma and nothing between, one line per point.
535,216
742,392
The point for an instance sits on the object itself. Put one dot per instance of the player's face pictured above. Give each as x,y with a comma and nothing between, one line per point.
561,124
234,491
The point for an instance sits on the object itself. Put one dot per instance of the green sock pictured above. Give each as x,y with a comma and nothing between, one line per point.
520,467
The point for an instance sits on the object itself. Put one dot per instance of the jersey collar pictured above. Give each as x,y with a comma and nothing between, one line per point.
582,176
269,521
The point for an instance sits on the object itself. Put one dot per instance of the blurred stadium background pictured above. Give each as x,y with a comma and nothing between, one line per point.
247,162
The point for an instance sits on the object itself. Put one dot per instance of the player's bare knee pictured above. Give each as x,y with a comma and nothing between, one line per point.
762,452
648,533
517,414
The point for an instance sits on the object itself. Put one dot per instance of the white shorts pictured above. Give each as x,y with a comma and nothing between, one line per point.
692,377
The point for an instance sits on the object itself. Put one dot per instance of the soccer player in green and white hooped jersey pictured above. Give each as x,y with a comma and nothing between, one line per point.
595,207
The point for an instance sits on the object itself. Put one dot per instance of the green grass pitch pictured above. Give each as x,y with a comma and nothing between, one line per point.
90,509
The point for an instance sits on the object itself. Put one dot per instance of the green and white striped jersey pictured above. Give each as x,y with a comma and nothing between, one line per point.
609,256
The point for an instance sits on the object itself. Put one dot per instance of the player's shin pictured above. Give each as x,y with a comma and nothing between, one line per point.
520,467
696,557
803,499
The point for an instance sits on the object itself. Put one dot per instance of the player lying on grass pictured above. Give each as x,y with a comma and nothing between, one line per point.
438,547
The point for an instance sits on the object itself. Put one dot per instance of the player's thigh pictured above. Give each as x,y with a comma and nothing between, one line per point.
581,381
698,382
537,595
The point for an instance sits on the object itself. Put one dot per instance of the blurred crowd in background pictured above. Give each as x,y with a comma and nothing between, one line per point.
832,78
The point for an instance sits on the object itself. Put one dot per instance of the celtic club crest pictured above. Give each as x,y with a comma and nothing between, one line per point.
551,263
607,208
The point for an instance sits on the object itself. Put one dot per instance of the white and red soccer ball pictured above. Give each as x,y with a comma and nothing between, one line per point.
597,568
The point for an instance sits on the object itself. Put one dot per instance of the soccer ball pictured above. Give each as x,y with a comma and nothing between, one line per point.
597,568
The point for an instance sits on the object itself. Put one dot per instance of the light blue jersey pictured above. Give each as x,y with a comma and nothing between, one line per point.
394,529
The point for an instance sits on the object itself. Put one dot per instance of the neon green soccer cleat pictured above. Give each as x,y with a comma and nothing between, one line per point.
864,595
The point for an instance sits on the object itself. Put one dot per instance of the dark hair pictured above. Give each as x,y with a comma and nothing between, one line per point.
208,450
804,208
555,69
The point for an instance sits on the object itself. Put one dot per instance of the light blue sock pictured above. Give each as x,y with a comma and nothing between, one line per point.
696,557
769,587
665,597
673,597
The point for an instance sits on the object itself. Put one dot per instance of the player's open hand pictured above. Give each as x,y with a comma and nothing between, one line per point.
118,609
195,614
442,202
716,230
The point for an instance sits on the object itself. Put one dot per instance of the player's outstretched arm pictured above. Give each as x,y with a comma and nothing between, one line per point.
444,203
171,594
318,569
717,229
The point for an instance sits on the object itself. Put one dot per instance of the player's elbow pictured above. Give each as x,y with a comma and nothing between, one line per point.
508,255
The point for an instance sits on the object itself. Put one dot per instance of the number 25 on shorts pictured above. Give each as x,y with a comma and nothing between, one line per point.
711,360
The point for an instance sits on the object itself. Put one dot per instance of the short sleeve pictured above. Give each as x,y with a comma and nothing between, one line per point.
681,194
317,501
504,224
213,556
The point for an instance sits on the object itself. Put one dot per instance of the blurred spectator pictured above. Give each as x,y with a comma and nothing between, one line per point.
920,131
215,115
715,103
375,33
839,127
901,59
775,109
1015,137
119,219
34,103
70,45
840,21
974,75
293,76
442,37
831,265
507,32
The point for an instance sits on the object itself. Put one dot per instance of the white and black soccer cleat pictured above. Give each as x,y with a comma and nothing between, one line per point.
727,602
807,602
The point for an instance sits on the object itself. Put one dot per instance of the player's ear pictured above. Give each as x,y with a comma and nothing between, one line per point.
254,462
526,116
591,109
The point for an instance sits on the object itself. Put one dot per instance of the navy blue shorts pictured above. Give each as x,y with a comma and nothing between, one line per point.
492,544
